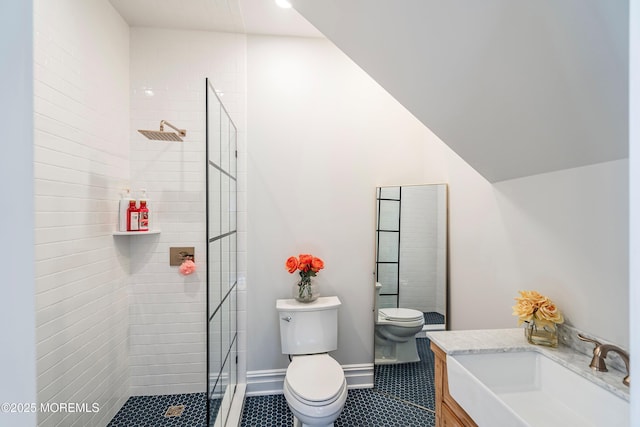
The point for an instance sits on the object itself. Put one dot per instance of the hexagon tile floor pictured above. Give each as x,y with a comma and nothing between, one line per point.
403,396
414,382
364,408
149,411
433,318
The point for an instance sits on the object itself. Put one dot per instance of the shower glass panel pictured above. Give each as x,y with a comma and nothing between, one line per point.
222,268
225,222
233,139
214,196
215,275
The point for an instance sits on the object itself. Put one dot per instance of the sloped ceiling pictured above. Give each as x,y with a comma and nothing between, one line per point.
515,87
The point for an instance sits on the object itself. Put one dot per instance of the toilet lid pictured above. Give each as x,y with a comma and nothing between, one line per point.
315,378
400,314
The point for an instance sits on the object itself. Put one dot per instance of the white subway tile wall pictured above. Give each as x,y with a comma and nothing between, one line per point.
167,310
113,318
421,247
81,103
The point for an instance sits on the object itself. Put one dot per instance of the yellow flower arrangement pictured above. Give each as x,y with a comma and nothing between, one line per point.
531,305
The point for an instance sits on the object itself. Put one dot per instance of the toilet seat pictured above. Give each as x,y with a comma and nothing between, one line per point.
315,380
401,316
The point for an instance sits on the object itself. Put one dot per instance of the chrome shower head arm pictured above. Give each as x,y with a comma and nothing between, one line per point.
181,132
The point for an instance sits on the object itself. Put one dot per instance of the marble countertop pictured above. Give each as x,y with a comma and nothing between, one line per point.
513,340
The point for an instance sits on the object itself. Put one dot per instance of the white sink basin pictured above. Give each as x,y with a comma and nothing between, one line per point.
529,389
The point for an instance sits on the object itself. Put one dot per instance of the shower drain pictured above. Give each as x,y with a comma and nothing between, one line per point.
174,411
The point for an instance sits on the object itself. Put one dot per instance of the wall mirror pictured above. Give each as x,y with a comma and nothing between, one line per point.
411,286
411,261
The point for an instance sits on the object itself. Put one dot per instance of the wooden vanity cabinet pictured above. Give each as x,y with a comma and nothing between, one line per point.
448,412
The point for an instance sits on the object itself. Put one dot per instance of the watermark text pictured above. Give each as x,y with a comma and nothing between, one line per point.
49,407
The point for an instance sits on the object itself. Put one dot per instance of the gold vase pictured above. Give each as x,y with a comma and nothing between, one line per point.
541,333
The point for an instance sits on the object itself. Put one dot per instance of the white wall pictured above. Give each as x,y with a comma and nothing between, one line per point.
634,194
322,135
18,355
81,154
566,234
167,311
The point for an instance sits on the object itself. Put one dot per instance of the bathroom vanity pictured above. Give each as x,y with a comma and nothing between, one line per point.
448,412
496,378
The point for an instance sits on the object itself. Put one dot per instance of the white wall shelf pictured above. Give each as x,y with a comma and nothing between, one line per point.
135,233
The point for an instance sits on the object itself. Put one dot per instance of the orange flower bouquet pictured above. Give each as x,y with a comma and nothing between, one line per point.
308,267
541,315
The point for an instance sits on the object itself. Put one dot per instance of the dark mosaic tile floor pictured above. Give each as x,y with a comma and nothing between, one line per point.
214,408
364,408
433,318
413,382
271,410
388,404
149,411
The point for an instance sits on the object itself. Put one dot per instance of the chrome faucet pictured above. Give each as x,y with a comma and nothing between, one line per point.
600,353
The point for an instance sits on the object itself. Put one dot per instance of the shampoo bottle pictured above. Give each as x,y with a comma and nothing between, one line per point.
143,216
122,212
133,217
150,220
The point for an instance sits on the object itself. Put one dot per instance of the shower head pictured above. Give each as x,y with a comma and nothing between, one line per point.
161,135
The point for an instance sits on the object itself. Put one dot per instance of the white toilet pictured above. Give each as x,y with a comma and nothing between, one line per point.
314,386
395,334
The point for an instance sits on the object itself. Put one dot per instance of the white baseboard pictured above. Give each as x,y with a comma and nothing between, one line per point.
265,382
270,381
359,375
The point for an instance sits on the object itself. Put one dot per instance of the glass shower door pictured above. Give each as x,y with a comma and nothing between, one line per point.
221,139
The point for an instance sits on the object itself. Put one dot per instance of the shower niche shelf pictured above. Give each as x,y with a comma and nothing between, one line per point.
135,233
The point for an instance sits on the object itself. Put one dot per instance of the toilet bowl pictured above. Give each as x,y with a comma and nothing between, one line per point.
315,389
314,385
395,335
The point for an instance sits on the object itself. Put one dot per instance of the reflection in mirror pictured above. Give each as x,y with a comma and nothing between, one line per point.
411,261
411,288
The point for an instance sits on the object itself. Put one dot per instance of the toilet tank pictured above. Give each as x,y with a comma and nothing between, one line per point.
308,328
